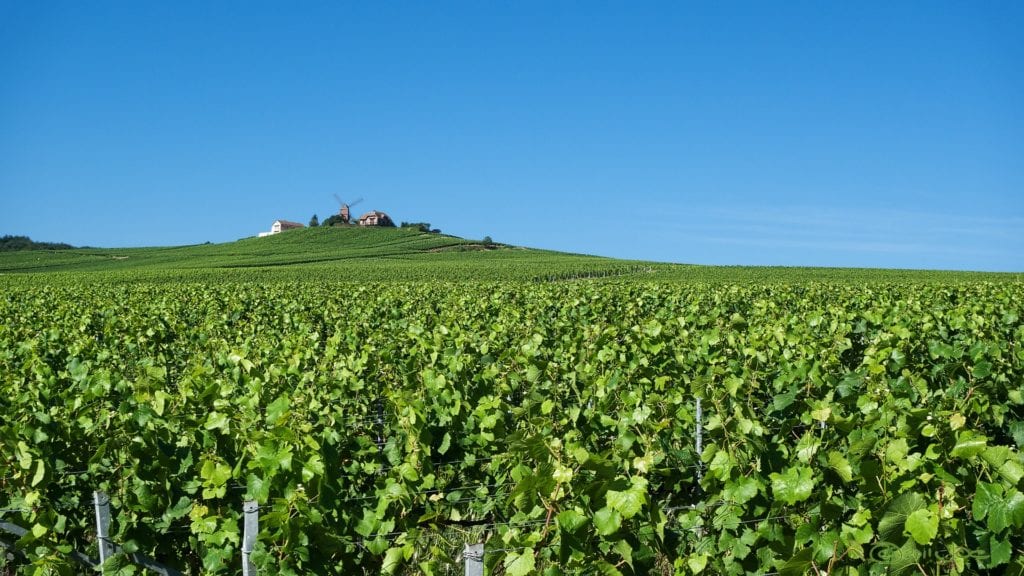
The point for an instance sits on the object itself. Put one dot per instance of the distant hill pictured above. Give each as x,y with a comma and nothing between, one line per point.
345,253
353,253
10,243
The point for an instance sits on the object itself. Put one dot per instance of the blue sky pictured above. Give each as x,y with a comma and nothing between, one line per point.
799,133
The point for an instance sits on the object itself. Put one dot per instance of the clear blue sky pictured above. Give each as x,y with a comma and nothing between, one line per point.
796,133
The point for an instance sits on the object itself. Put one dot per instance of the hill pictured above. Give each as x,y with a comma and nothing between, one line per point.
342,253
386,254
373,422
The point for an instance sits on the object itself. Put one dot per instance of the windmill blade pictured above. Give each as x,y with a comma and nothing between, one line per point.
358,200
338,198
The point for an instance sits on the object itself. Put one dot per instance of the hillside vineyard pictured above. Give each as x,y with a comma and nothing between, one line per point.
847,429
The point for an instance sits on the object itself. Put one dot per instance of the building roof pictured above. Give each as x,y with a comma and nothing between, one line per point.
290,223
376,213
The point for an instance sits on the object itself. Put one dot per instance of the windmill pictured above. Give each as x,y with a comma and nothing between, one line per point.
344,211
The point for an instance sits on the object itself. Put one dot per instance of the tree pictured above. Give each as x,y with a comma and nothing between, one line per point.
334,220
11,243
314,221
421,226
488,241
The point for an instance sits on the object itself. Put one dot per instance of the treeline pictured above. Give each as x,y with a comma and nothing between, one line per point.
421,226
10,243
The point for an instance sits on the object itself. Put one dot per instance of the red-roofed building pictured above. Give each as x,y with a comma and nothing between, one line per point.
375,218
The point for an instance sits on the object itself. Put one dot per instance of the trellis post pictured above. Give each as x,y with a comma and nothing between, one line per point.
251,527
474,557
699,441
101,502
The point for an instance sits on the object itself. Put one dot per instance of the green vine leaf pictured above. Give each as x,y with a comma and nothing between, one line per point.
969,444
1006,463
697,562
393,560
799,564
922,525
893,522
607,521
520,563
838,463
627,502
1000,552
794,485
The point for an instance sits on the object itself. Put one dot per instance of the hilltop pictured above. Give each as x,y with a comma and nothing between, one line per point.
367,254
350,253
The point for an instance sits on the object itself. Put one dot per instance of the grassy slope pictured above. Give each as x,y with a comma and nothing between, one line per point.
398,254
294,247
330,253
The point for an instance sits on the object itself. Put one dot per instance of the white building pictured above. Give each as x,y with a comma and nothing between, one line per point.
280,226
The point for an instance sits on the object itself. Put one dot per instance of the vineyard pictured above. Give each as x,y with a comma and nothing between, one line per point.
388,254
609,426
343,254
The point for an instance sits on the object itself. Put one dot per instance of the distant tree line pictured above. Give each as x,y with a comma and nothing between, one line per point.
335,220
10,243
421,226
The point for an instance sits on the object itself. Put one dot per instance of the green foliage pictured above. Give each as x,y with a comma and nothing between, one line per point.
923,525
794,485
871,429
334,220
421,226
10,243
